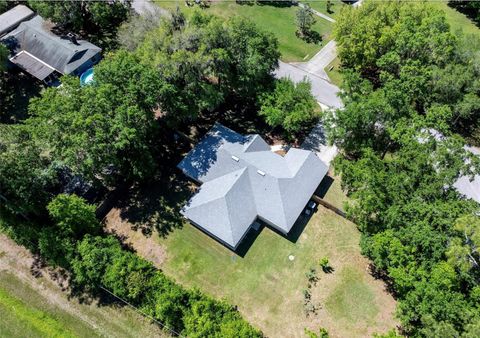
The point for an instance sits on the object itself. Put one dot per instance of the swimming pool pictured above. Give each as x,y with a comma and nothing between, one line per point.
86,77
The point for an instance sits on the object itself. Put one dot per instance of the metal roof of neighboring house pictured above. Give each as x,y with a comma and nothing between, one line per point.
32,65
59,53
13,17
242,180
465,186
470,188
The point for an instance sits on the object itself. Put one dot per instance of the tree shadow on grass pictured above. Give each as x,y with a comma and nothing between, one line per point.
328,269
383,276
156,205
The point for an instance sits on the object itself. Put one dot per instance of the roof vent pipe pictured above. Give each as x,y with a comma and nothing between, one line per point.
261,172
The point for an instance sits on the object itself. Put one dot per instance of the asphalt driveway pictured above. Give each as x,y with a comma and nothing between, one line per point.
324,92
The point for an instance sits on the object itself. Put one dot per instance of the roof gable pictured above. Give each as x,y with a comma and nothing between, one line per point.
252,180
59,53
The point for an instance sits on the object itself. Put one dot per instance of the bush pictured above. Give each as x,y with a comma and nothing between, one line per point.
102,261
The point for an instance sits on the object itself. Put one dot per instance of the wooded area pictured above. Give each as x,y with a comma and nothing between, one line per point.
408,78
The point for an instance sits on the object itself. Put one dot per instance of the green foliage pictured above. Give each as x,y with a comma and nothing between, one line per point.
73,216
3,58
102,262
324,262
311,275
406,76
104,131
206,59
401,60
72,219
3,6
6,91
28,178
464,250
289,105
305,19
83,15
322,333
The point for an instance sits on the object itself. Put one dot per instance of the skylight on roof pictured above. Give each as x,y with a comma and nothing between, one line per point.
261,172
235,158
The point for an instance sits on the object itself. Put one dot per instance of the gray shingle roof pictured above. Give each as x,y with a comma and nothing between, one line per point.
13,17
59,53
242,180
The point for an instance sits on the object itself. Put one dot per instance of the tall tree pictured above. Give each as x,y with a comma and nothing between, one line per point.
28,178
290,105
105,131
304,19
84,15
207,60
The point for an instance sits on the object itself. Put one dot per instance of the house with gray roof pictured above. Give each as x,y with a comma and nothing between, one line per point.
43,54
242,181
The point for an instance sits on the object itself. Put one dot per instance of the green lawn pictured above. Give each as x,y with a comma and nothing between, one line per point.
278,20
334,74
457,20
18,318
267,286
25,312
321,6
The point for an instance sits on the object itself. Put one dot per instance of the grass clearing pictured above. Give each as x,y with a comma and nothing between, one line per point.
321,6
278,20
20,319
334,74
267,286
458,21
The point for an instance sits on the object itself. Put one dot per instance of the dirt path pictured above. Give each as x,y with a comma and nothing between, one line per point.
146,247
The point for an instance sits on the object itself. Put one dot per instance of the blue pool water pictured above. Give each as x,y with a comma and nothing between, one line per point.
86,77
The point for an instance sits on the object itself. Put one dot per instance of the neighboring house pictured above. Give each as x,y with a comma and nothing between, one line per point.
467,187
242,181
12,18
44,55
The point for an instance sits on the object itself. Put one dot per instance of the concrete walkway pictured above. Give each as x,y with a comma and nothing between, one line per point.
324,92
317,13
316,141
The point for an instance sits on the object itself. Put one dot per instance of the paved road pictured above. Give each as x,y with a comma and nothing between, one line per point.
317,64
324,91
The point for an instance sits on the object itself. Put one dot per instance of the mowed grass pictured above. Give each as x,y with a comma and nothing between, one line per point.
278,20
25,312
457,20
321,6
19,319
267,286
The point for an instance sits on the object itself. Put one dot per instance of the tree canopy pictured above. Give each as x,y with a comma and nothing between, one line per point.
206,60
84,15
409,86
289,105
105,130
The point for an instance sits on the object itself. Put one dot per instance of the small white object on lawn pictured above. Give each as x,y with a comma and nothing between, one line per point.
291,257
